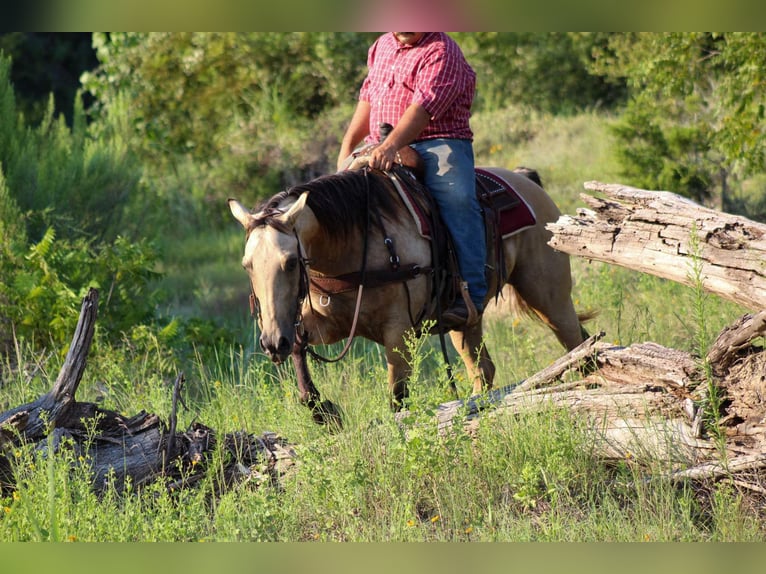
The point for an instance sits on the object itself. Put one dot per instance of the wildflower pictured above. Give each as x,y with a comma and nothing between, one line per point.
468,530
7,509
72,538
435,519
16,495
410,523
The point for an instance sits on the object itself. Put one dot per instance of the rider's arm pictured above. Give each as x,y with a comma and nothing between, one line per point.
406,131
357,130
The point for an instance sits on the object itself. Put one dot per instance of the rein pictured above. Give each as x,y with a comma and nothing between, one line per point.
360,289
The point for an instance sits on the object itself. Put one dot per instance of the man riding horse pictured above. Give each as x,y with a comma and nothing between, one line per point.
421,84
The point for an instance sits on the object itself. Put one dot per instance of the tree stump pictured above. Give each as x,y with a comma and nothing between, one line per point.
140,449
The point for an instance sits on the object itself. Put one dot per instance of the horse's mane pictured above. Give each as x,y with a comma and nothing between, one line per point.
343,203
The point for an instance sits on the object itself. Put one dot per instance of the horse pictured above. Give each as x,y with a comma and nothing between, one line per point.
347,229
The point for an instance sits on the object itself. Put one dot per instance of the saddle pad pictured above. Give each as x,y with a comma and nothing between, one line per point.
514,214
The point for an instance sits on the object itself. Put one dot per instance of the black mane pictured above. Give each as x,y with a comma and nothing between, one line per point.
340,201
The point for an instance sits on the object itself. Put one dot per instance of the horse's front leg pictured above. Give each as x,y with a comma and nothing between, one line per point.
323,412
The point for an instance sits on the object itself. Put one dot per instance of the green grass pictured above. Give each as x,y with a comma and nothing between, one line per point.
528,477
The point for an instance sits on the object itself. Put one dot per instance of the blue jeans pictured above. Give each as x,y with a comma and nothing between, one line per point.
449,175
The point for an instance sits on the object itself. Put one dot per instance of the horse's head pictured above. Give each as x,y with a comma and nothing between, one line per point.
273,260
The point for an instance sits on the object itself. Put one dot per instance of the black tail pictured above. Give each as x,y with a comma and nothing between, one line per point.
530,173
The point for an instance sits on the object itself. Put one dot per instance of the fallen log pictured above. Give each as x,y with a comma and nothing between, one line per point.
669,236
647,403
138,449
645,398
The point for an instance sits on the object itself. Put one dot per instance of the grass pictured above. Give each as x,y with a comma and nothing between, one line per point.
529,477
524,478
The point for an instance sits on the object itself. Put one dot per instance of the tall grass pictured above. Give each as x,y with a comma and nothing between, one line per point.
524,477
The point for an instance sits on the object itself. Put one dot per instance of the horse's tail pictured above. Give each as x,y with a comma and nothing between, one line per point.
529,173
509,302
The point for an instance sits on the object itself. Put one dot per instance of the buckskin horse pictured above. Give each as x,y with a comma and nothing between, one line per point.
345,255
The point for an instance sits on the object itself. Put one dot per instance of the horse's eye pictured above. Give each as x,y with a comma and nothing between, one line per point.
291,264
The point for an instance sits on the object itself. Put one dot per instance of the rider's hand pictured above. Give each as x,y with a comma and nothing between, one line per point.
383,157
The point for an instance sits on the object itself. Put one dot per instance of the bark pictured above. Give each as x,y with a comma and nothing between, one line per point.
667,235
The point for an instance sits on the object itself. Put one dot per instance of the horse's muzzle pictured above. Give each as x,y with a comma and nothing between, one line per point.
277,352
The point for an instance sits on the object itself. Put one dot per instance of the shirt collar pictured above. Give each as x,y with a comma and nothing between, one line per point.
406,46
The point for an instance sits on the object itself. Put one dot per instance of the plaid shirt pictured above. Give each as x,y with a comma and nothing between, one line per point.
432,73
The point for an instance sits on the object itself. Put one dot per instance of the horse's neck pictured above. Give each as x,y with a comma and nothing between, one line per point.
326,255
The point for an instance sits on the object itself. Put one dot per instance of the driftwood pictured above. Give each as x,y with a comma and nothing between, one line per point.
139,449
667,235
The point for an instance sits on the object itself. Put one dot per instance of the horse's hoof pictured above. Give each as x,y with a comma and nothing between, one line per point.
327,413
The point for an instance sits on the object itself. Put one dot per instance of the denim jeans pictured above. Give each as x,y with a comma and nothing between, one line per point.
449,175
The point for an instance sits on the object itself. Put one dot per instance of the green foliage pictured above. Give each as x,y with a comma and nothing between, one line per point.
245,114
47,64
696,114
547,71
658,154
71,195
42,301
61,176
213,84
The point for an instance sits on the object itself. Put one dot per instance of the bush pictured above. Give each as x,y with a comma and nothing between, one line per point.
66,204
44,285
63,177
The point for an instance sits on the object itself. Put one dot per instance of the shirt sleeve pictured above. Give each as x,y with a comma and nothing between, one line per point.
364,91
440,80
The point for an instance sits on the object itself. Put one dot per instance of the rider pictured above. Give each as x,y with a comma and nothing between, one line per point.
420,83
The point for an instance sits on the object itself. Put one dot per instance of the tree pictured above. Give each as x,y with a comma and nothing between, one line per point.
191,93
48,63
549,72
696,112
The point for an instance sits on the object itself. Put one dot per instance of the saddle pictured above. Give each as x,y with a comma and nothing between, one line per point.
505,213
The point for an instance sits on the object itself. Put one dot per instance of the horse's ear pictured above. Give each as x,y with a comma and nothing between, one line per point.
240,213
289,217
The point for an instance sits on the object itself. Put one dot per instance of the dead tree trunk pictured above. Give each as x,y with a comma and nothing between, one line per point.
646,402
140,448
667,235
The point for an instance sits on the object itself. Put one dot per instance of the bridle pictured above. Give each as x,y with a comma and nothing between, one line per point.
304,280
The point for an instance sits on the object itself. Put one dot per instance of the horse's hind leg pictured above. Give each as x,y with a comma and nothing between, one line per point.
473,351
399,371
547,290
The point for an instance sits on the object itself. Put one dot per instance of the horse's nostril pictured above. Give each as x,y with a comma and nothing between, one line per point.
284,346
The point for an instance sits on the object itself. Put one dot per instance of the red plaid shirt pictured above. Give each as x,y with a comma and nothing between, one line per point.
432,73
